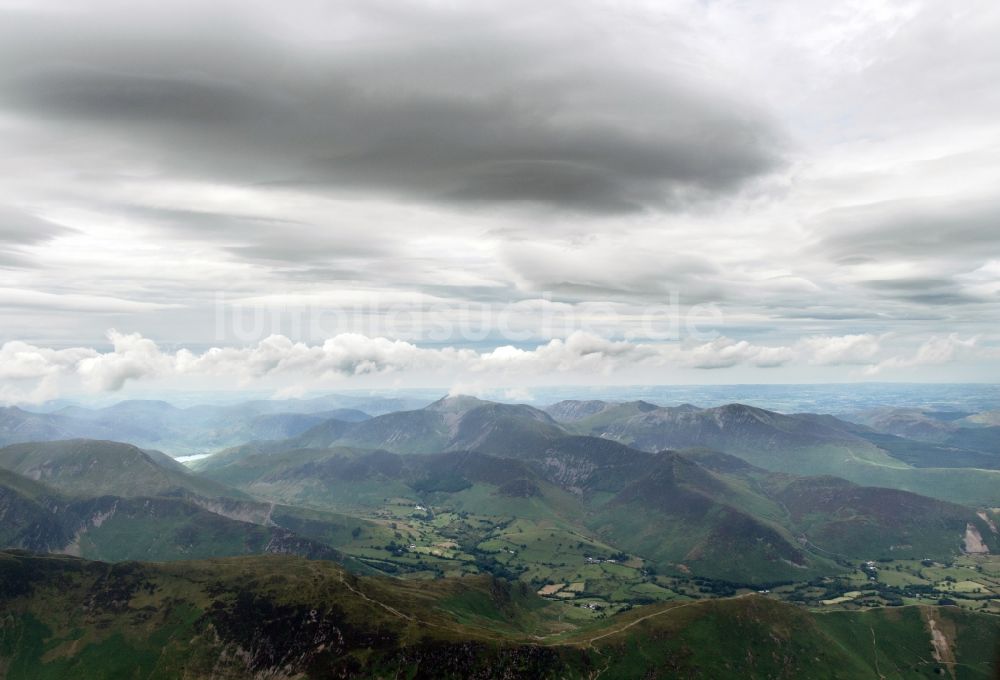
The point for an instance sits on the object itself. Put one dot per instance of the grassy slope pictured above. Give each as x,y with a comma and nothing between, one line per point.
758,637
680,514
800,444
850,520
853,520
283,616
934,455
112,528
166,529
730,521
969,486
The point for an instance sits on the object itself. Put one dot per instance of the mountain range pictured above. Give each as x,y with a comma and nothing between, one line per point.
802,444
539,523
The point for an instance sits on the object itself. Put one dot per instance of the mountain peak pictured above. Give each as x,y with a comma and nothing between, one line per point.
458,403
738,410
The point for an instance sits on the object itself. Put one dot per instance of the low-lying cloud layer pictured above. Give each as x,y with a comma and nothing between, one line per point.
30,373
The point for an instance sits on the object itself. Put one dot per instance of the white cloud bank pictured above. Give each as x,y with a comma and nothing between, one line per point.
936,351
30,374
842,349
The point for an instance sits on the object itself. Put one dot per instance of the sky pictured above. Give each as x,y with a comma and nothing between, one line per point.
305,195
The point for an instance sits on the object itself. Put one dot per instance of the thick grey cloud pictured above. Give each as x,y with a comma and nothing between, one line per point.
20,228
914,228
263,239
443,106
916,251
930,291
81,92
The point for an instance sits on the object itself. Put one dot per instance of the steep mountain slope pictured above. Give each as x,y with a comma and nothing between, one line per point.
847,520
37,518
984,438
851,520
166,529
671,509
770,438
420,431
357,479
500,429
27,516
94,468
733,427
805,444
662,506
931,455
678,512
286,617
717,514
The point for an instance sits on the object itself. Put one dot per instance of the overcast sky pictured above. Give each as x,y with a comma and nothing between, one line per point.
308,194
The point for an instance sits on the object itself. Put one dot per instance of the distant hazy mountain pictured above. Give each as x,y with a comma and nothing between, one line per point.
594,411
17,425
727,428
936,438
158,424
913,423
452,423
801,444
953,428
